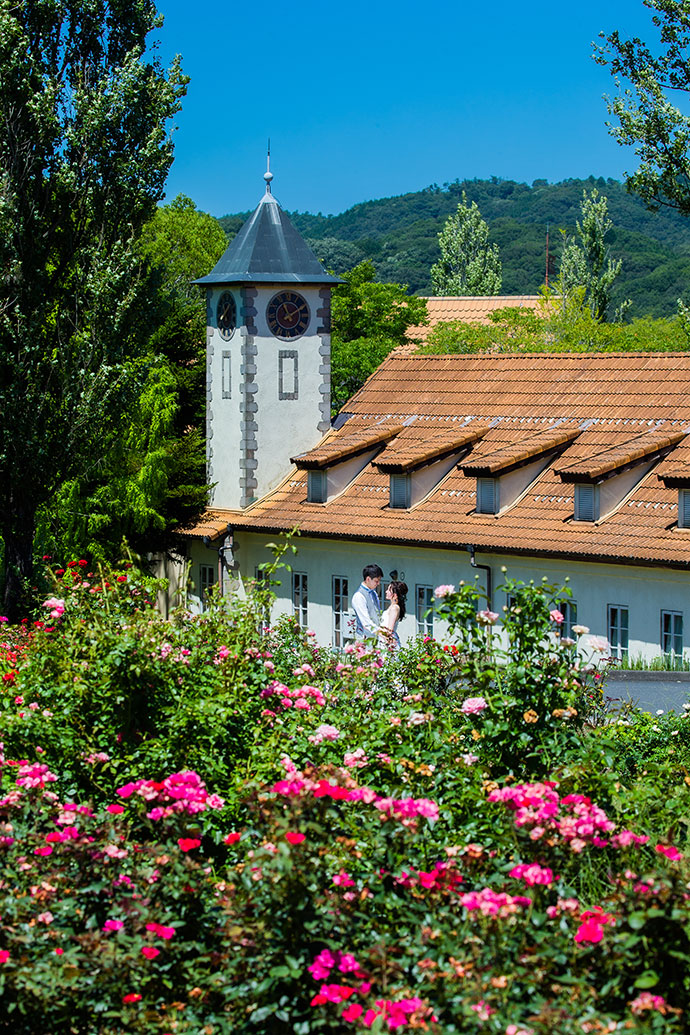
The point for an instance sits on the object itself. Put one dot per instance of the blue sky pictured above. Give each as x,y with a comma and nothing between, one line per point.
369,99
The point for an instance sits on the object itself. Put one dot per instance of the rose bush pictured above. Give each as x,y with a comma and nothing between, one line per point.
211,825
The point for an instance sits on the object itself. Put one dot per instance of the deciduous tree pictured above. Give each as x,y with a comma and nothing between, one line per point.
369,320
469,264
650,82
586,262
84,153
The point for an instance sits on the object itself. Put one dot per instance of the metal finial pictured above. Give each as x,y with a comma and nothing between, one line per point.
268,175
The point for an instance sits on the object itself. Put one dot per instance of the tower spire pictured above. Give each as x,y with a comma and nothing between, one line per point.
268,175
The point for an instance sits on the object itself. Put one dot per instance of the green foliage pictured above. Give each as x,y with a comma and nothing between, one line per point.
588,264
469,264
369,319
85,150
558,324
649,80
387,851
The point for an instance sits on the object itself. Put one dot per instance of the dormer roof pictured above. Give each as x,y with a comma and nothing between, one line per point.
341,445
620,457
520,452
268,249
423,443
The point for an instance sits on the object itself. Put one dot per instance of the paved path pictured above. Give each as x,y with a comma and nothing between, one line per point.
649,690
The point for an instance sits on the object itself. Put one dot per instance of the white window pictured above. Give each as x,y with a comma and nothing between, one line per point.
400,491
341,611
684,508
299,597
618,624
208,576
585,503
487,496
568,609
672,633
317,486
423,612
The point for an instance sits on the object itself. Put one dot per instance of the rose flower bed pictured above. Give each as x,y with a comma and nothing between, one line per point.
209,826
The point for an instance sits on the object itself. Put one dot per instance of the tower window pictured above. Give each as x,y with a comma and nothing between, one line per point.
288,375
226,374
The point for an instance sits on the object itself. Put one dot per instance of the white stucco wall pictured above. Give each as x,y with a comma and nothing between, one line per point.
644,591
246,370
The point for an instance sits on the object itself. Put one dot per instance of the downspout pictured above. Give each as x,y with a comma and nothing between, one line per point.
489,575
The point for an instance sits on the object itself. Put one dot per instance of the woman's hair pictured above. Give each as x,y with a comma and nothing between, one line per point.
400,589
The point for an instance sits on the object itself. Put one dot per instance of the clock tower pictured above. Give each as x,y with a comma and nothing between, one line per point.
268,352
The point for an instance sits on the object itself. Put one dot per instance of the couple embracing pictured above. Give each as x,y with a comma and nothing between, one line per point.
369,622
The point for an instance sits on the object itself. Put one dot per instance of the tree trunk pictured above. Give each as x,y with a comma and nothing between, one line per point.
18,536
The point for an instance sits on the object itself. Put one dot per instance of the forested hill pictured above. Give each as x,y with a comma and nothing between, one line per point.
400,235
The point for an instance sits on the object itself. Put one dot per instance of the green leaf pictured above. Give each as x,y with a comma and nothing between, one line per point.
649,979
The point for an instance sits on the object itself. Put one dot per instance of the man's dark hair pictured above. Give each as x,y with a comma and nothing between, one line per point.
372,571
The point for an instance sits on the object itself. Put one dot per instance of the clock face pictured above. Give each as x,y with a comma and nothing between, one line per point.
287,315
226,315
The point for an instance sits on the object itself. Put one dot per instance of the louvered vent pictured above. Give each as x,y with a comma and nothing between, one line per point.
487,495
400,491
317,486
684,508
585,503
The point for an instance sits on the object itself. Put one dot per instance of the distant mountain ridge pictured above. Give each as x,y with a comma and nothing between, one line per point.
399,235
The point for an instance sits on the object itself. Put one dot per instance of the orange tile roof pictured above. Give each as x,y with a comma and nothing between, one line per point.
467,308
675,471
211,523
421,442
624,454
611,397
356,437
523,450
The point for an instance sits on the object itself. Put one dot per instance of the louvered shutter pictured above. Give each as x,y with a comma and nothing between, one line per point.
487,495
584,503
684,508
317,486
400,491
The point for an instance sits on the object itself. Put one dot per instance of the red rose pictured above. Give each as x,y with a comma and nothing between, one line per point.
188,843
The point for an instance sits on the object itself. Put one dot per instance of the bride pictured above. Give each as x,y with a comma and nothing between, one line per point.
396,594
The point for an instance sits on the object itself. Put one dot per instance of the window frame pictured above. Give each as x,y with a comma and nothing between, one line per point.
676,619
424,625
204,583
300,607
615,631
341,631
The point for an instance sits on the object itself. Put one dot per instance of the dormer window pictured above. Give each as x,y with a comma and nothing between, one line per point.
684,508
488,495
400,491
317,486
586,502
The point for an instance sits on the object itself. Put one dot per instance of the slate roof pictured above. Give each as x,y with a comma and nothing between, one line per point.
610,398
268,249
467,308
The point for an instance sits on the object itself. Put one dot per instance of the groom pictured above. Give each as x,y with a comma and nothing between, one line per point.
366,604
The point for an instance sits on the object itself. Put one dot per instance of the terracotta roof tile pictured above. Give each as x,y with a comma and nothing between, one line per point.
352,439
516,453
624,454
613,398
422,442
467,308
212,523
